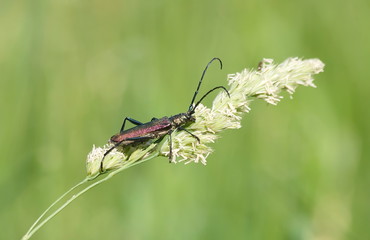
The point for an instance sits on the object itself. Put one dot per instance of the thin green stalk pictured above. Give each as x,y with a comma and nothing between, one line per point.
52,205
34,228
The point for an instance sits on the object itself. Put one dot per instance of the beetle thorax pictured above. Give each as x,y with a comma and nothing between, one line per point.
182,119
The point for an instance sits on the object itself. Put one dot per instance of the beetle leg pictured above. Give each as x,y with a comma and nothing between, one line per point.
194,136
139,139
107,152
131,120
170,146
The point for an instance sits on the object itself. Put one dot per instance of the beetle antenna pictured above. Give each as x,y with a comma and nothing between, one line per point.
205,95
200,82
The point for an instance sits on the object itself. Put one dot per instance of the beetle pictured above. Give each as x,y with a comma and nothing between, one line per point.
157,128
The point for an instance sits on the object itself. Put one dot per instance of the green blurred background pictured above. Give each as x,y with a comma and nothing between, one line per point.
72,70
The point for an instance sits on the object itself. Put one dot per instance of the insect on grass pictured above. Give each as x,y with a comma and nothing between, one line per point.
266,83
158,128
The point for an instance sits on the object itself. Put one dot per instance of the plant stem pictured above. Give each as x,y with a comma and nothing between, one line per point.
52,205
34,228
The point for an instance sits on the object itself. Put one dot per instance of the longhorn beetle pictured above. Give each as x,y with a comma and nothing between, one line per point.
158,128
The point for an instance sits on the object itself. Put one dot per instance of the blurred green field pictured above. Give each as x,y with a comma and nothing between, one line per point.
72,70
